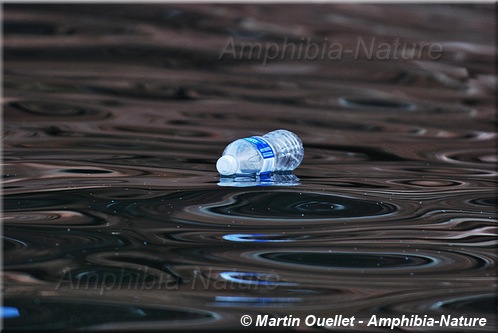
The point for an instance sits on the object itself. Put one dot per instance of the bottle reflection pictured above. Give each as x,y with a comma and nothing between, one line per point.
264,179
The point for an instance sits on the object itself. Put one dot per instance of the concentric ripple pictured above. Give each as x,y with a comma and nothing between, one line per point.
296,205
115,218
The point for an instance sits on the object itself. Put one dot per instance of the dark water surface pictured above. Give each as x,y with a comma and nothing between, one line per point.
114,116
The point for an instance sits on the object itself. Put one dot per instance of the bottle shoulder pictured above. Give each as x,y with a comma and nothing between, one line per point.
238,146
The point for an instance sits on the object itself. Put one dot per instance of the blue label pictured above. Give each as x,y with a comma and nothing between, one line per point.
263,146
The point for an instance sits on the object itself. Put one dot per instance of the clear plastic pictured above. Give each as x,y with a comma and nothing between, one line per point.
277,151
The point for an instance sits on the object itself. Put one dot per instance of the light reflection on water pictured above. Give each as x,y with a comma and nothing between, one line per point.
114,215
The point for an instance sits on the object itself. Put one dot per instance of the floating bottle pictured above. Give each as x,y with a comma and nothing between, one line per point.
277,151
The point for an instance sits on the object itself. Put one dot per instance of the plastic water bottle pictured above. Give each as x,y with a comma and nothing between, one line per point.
277,151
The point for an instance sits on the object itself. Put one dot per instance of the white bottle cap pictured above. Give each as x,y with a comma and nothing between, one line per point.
227,165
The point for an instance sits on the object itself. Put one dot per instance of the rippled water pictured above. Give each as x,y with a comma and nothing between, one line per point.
114,216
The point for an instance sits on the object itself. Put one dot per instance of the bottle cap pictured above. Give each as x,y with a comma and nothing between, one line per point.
227,165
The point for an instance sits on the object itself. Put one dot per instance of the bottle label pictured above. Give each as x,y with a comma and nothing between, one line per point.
264,148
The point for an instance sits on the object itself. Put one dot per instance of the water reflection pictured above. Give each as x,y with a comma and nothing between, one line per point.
259,238
116,219
274,179
254,301
254,278
349,260
9,312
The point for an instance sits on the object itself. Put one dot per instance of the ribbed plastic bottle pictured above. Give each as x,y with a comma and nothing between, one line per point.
277,151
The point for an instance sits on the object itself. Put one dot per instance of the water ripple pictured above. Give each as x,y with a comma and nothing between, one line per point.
43,314
114,116
58,109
